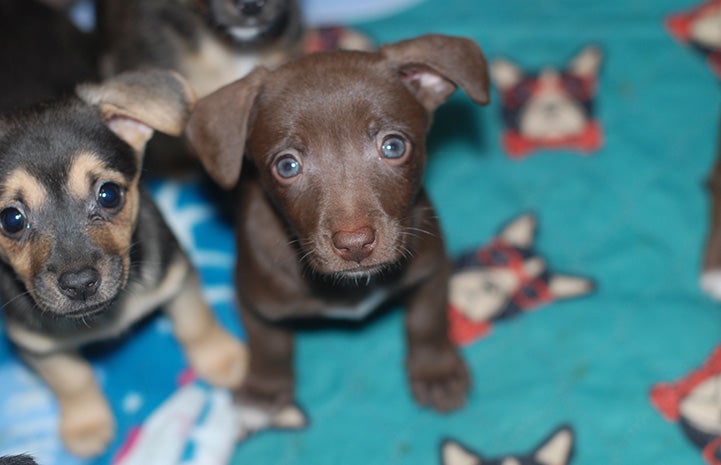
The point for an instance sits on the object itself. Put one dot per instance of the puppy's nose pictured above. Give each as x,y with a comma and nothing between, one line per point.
79,285
250,7
354,246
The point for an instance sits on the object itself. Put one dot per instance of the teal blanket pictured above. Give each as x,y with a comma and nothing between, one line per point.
617,366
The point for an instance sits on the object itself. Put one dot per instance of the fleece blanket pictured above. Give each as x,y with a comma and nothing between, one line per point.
576,299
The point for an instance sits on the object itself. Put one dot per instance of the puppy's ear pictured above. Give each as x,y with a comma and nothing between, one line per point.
587,62
133,104
218,127
432,66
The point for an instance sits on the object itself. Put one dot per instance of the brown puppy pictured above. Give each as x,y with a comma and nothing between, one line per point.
332,216
84,251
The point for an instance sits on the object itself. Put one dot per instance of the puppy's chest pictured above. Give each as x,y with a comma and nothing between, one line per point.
214,64
360,309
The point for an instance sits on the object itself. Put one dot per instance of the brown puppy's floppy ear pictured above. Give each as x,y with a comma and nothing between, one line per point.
432,66
218,127
135,103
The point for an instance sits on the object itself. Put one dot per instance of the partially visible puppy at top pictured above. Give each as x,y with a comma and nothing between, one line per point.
210,42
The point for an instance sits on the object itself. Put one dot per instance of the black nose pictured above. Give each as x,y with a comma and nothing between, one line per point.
79,285
250,7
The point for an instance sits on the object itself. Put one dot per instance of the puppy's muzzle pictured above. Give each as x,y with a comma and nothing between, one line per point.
250,7
354,246
79,285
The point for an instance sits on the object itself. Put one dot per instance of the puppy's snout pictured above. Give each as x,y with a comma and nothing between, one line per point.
79,285
250,7
354,246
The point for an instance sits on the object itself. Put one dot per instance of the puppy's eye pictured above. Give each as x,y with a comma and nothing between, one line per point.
393,147
110,195
12,220
288,167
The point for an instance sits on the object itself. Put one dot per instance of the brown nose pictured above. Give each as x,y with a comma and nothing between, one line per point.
354,246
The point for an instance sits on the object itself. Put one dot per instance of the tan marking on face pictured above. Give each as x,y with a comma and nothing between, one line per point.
84,169
24,256
22,185
115,236
27,258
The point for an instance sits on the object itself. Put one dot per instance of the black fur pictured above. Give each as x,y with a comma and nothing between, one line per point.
42,54
17,460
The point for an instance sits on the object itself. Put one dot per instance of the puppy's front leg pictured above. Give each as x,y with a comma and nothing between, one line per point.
214,354
438,375
86,421
270,380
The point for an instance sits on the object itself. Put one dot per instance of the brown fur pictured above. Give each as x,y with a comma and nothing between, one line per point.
354,226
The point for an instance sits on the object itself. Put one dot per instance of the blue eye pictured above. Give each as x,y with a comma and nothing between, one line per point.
110,195
393,147
288,167
13,221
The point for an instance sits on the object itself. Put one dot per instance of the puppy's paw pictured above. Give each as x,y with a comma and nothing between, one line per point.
254,418
439,378
711,283
219,358
86,424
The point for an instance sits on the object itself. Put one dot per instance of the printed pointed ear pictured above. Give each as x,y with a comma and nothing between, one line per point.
564,287
432,66
453,453
136,103
521,231
587,62
534,267
505,74
557,449
218,127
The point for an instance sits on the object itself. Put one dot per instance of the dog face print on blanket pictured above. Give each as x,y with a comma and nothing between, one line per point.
557,449
700,28
503,279
694,402
550,109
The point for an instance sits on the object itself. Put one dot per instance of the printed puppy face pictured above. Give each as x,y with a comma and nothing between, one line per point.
706,29
702,407
551,108
67,211
700,27
557,449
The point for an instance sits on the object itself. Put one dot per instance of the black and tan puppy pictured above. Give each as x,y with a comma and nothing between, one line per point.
84,253
332,216
210,42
